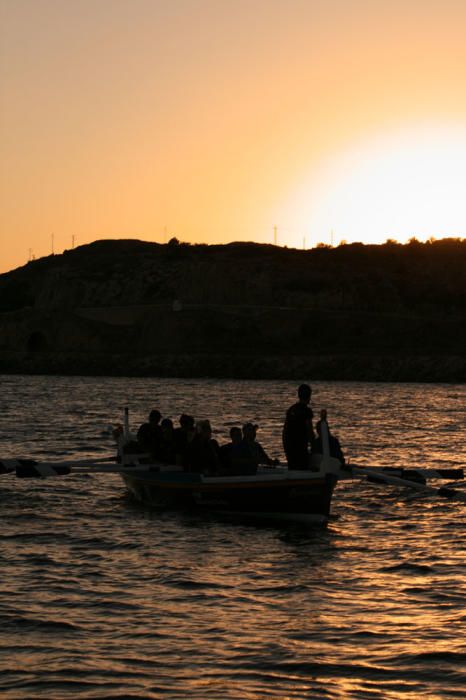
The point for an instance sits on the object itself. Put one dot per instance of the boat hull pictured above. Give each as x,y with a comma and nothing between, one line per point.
298,496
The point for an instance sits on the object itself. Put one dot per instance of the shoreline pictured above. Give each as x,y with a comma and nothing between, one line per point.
427,368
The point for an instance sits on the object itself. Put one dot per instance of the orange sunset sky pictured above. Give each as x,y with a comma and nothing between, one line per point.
215,120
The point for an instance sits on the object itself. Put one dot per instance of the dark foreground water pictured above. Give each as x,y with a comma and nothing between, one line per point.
102,598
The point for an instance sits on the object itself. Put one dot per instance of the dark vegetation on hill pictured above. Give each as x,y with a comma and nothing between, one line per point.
362,303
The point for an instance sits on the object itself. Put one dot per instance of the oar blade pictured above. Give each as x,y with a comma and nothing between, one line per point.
40,471
7,466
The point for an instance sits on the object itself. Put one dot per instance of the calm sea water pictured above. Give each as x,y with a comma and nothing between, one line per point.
103,598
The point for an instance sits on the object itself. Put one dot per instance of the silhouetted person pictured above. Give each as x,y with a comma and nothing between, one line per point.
167,451
253,450
149,434
298,432
202,454
227,452
183,436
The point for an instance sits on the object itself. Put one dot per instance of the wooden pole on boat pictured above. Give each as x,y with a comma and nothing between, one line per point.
126,424
327,463
324,435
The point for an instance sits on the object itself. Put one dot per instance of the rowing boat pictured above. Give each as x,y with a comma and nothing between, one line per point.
276,492
272,492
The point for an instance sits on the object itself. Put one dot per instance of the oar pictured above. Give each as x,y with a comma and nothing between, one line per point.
37,470
452,474
381,477
419,474
10,465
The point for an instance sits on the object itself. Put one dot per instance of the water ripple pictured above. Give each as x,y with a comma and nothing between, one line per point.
102,598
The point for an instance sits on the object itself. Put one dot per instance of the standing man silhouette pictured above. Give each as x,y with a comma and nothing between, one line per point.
298,431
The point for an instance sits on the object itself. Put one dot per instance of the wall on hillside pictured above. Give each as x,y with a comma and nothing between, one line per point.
214,328
199,282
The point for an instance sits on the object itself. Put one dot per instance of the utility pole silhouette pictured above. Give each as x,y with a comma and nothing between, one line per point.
53,237
73,238
275,235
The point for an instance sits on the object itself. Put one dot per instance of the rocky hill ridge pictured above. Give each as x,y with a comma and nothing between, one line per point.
120,304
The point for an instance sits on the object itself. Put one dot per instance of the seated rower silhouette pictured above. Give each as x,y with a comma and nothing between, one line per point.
183,437
202,454
230,452
149,435
252,451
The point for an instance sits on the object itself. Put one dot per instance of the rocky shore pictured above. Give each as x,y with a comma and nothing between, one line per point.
340,367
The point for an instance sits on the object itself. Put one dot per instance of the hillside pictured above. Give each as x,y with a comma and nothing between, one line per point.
393,311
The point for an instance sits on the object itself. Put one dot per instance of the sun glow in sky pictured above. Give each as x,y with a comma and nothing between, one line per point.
411,182
214,120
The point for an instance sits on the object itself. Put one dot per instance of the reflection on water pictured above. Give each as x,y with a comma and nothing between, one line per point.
102,598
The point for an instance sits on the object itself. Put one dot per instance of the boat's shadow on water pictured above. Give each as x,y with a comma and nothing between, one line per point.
287,531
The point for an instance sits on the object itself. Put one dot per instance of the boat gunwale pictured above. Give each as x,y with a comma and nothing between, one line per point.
194,480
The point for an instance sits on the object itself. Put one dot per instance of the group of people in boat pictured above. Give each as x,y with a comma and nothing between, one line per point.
192,446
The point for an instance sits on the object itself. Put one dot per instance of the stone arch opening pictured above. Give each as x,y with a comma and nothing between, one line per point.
37,342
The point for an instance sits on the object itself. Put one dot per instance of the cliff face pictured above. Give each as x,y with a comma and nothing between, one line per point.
379,312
